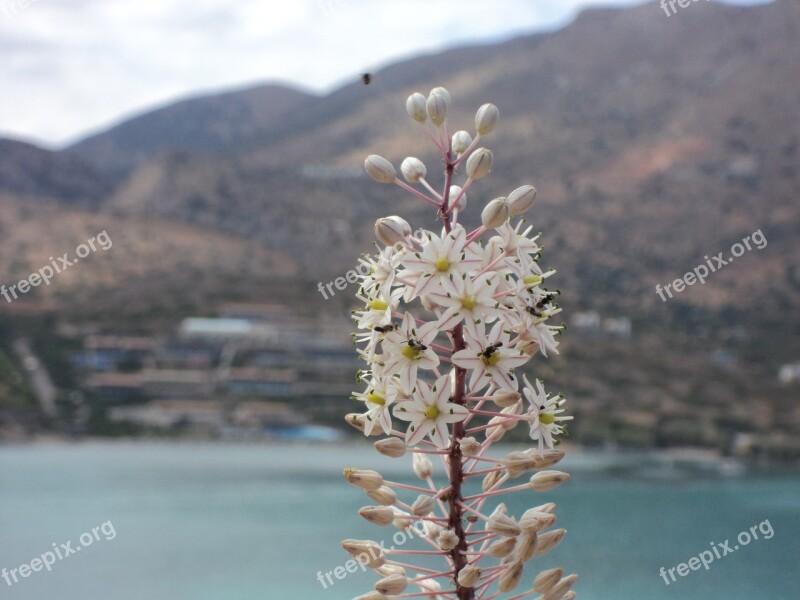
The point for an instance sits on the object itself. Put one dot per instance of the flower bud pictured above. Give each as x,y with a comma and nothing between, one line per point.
491,479
561,588
509,580
460,141
534,521
502,548
486,118
386,570
380,169
549,540
365,551
455,192
443,92
503,525
378,515
363,478
447,540
469,446
549,507
357,420
545,580
506,398
526,544
479,163
432,530
392,447
436,107
547,480
521,462
496,213
423,468
423,506
403,520
521,199
384,496
415,105
392,585
469,576
392,230
413,169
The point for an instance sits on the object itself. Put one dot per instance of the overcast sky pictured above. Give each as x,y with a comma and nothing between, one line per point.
68,67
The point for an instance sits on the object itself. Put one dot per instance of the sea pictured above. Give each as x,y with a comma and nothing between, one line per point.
263,521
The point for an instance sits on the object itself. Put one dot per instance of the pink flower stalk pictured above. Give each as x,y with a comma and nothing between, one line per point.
447,319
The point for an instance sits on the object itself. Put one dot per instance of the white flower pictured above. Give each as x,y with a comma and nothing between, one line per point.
381,270
544,415
406,349
469,300
440,258
429,412
519,247
378,397
490,358
378,309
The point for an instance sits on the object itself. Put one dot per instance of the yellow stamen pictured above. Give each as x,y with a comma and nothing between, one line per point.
442,265
410,353
468,302
432,412
378,305
375,399
547,418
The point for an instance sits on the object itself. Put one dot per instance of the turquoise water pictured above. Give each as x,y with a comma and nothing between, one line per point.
242,522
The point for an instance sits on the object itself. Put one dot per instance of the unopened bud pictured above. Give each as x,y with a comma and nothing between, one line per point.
526,544
502,548
384,496
469,446
545,580
549,540
432,530
509,580
392,447
423,468
386,570
486,118
479,163
521,462
413,169
460,141
491,480
365,551
357,420
378,515
534,521
392,230
506,398
415,105
455,192
364,478
443,91
403,520
547,480
503,525
521,199
447,540
469,576
548,507
495,214
562,588
436,106
423,506
380,169
392,585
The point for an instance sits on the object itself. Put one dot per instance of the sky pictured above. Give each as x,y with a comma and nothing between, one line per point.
70,67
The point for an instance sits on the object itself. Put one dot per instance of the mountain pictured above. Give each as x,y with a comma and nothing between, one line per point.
30,170
205,124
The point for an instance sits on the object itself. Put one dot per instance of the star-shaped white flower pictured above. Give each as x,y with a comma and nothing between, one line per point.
490,358
406,349
437,260
544,415
518,247
377,309
429,412
381,392
469,300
